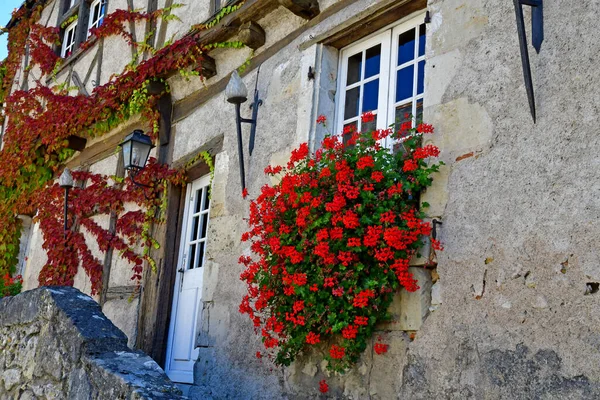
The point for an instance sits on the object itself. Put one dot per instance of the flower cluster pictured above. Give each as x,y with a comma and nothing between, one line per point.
332,242
10,286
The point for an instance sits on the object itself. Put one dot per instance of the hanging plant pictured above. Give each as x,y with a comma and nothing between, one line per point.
332,241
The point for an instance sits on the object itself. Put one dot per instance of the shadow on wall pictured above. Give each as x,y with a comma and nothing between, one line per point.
56,343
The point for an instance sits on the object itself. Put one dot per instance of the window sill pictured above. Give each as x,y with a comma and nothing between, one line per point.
69,14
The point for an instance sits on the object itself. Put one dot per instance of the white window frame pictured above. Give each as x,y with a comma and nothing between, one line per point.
96,23
388,37
66,46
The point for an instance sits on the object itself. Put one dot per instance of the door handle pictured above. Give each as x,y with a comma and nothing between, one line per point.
181,275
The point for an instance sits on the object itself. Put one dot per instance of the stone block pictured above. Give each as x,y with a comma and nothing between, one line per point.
422,256
11,377
409,309
437,194
386,369
436,296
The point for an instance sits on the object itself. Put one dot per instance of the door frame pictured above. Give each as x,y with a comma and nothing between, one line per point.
185,211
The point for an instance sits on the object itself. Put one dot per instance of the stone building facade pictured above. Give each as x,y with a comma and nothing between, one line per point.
509,310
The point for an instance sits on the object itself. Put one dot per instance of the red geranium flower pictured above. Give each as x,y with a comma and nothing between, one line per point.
323,386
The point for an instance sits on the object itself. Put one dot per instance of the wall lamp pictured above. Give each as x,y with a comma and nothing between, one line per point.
66,182
237,93
136,149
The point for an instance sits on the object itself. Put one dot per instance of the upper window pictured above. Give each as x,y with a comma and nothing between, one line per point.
215,6
68,44
97,12
70,3
383,74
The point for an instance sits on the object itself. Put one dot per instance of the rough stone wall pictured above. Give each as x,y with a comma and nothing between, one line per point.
519,203
55,343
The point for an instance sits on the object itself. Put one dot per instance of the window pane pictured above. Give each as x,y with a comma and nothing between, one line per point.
192,258
419,116
421,77
422,40
404,82
204,226
200,255
198,200
349,129
371,96
354,69
351,106
206,200
96,13
370,126
406,47
403,114
194,233
373,61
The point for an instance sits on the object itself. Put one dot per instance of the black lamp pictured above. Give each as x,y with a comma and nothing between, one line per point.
237,93
136,149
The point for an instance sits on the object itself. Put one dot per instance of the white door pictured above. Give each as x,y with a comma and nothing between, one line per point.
181,347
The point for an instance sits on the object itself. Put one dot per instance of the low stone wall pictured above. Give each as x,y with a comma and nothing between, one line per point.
55,343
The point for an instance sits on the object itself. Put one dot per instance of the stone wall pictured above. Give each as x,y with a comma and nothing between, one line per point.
55,343
519,201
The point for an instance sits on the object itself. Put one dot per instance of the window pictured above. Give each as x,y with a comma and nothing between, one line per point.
215,6
89,13
70,4
97,12
383,74
68,44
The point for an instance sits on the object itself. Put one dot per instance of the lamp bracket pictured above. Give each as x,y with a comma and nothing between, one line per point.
248,120
260,103
132,174
537,37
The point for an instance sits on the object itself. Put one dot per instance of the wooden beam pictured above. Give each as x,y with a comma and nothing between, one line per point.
366,22
77,81
120,292
208,68
76,143
307,9
186,106
252,10
252,35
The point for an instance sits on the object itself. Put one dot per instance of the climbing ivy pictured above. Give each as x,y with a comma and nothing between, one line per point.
38,123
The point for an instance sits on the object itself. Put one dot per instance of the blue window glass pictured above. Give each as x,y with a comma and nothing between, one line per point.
422,40
421,77
373,61
404,82
371,96
406,47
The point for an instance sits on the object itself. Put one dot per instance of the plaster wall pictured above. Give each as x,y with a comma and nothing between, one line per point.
517,199
518,202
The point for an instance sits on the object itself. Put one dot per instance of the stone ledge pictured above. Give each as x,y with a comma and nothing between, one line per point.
56,343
